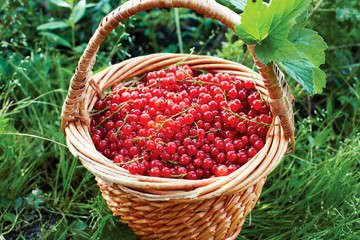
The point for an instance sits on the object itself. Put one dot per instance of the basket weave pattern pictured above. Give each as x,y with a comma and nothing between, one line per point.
216,218
158,208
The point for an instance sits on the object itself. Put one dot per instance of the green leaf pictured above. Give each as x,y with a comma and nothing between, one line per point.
57,39
3,4
3,201
78,230
278,30
304,72
89,5
319,80
111,228
239,4
301,71
10,217
276,50
301,21
61,3
323,137
285,13
79,11
252,29
18,203
269,25
59,230
53,25
78,226
70,2
309,45
80,48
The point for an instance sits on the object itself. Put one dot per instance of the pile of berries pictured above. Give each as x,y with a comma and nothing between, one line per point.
179,124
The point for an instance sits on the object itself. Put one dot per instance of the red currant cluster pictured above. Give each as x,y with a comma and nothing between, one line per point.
174,124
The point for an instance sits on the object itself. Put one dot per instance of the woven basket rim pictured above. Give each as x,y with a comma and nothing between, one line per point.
80,144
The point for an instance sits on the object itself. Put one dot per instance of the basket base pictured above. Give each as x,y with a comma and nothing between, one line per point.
216,218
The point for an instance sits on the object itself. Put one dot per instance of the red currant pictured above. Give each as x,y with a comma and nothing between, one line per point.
175,123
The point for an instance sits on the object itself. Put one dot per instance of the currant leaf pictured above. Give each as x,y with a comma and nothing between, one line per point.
319,80
309,45
239,4
251,29
285,50
302,72
278,30
270,25
301,21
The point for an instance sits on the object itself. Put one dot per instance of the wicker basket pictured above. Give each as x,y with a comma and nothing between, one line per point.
158,208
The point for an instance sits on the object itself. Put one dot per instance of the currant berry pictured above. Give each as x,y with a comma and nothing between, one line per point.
133,168
200,133
155,172
257,104
221,170
251,152
248,84
181,171
165,172
231,156
259,145
189,119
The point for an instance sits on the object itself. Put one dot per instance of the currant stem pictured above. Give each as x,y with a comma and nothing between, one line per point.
244,118
139,139
133,88
131,161
123,105
170,161
173,162
173,116
194,80
116,133
199,82
95,112
179,176
216,130
224,93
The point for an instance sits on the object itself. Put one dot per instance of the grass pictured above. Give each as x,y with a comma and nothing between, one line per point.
47,194
314,193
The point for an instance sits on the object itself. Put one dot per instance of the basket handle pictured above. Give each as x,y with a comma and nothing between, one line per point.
74,107
281,99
